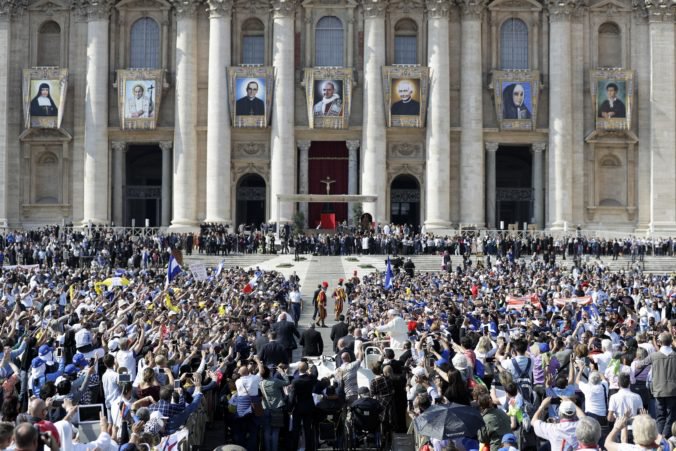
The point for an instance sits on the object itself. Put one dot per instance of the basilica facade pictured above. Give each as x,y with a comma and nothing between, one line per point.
540,114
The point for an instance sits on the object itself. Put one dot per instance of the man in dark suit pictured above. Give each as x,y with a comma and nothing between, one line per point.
312,342
250,105
286,331
407,354
389,359
406,106
338,331
343,348
273,353
303,406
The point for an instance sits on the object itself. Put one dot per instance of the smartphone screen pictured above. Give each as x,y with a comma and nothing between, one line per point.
124,378
177,384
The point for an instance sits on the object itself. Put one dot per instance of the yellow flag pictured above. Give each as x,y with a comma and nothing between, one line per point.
169,305
221,310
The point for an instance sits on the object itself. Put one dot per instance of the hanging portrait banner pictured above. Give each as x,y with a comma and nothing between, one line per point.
139,95
516,98
250,96
329,96
44,96
405,90
612,98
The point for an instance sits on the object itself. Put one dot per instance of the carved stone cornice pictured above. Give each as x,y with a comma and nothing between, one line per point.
560,10
374,9
186,8
472,9
407,6
219,8
12,8
657,10
283,8
437,9
93,9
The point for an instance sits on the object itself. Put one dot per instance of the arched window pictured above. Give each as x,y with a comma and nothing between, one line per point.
406,42
514,45
329,42
610,45
253,42
145,44
49,44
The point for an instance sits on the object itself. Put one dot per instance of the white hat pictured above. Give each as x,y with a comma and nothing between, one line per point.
460,362
392,312
418,371
567,408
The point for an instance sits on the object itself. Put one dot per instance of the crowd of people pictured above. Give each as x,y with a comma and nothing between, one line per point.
546,355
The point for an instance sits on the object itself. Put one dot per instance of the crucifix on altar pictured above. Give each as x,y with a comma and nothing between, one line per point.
328,206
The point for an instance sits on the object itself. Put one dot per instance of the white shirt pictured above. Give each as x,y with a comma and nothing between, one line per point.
294,297
595,397
126,359
624,400
111,389
248,385
602,360
557,433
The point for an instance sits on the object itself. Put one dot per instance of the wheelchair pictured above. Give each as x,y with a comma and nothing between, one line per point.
364,426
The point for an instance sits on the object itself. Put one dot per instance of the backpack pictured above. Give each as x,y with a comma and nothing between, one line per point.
524,382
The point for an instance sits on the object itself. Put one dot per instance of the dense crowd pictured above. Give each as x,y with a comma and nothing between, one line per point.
536,353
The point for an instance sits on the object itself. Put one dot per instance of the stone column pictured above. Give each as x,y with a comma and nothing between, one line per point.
472,201
374,145
491,200
218,132
96,194
282,142
6,12
352,174
437,141
538,185
119,151
560,113
166,147
662,117
304,176
185,133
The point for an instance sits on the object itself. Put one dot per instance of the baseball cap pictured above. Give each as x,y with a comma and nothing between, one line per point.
79,360
567,408
509,438
44,350
70,369
37,362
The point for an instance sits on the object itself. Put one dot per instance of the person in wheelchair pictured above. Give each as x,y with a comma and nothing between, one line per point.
366,412
329,413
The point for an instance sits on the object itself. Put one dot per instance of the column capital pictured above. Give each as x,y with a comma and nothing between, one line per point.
11,8
658,10
374,9
283,8
166,146
219,8
304,144
352,144
119,146
539,147
185,8
93,9
491,147
561,10
472,9
437,9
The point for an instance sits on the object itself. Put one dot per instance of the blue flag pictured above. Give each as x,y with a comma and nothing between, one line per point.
388,275
173,269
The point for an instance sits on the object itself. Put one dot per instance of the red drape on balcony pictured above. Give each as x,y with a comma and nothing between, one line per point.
327,159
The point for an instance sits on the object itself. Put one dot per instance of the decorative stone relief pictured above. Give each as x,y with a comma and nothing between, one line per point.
374,8
262,169
251,150
284,8
186,8
472,9
437,9
219,8
405,151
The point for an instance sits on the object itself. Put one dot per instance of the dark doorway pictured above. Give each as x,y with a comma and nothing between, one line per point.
327,163
514,189
251,200
143,194
405,200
